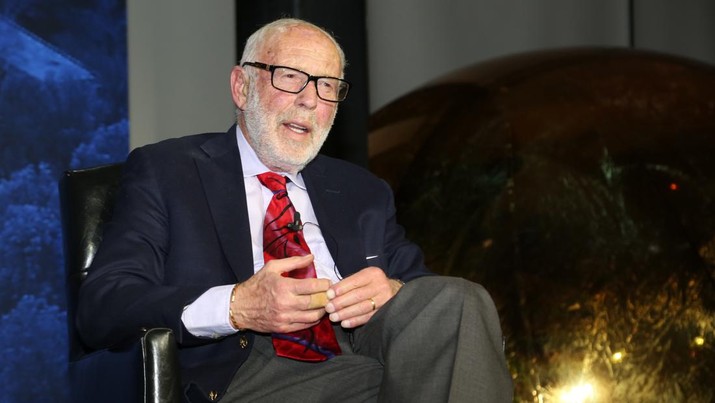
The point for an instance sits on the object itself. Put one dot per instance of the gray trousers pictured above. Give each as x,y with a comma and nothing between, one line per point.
438,340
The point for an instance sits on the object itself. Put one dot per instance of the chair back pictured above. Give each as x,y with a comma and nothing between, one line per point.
86,203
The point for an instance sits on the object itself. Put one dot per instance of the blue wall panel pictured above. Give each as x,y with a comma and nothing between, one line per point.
63,104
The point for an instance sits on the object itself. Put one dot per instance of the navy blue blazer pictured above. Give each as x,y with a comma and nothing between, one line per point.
180,227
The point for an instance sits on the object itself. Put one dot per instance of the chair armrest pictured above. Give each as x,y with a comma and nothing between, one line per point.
145,370
162,378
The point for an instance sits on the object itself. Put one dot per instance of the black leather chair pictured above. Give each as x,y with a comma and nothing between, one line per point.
142,370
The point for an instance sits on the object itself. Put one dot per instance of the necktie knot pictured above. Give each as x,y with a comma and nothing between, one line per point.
273,181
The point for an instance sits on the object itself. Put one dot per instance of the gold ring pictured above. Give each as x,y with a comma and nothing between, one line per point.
372,301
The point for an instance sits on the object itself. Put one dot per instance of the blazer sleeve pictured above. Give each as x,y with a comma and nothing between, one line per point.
126,288
404,259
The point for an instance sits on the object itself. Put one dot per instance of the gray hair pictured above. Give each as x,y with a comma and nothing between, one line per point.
258,38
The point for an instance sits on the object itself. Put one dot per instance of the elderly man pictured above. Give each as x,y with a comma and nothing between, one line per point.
283,273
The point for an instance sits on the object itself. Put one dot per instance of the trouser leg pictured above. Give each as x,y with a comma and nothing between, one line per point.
265,377
439,340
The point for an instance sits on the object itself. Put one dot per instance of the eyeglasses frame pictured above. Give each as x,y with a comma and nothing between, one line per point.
272,67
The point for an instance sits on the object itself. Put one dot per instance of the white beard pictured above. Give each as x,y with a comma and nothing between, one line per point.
282,154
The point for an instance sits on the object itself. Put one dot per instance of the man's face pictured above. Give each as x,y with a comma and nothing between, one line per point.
287,130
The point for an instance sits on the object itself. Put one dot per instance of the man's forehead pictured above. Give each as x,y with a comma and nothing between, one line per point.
303,48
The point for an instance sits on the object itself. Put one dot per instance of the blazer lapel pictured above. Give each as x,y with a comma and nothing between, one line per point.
222,179
336,217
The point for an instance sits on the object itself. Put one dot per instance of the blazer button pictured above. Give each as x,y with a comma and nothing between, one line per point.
213,395
243,341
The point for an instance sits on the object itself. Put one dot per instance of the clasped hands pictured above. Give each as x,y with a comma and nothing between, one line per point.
269,302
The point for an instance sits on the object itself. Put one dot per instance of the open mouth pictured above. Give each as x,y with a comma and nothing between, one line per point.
296,128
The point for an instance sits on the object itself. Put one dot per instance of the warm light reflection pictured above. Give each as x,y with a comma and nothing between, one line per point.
673,186
699,341
617,356
581,393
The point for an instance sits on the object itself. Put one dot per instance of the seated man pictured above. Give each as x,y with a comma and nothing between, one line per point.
283,273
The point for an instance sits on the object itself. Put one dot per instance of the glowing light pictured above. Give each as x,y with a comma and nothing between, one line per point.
580,393
618,356
699,341
673,186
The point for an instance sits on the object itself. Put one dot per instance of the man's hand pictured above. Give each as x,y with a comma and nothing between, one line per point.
268,302
355,299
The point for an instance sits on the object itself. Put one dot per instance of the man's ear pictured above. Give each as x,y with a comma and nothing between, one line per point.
239,86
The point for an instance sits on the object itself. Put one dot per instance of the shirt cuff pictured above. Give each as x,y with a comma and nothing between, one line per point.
207,316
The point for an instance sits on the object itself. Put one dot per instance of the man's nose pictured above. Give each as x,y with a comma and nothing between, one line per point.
308,98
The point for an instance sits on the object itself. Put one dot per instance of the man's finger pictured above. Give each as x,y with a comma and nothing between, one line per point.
358,280
307,286
289,263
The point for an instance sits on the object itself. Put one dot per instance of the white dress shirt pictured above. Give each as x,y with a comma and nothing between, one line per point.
208,316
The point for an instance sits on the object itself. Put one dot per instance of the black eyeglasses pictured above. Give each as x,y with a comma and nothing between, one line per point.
291,80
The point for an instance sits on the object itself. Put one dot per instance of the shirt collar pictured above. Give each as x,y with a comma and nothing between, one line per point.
252,165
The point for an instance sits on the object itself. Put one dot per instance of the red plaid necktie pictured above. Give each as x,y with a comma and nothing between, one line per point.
283,237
